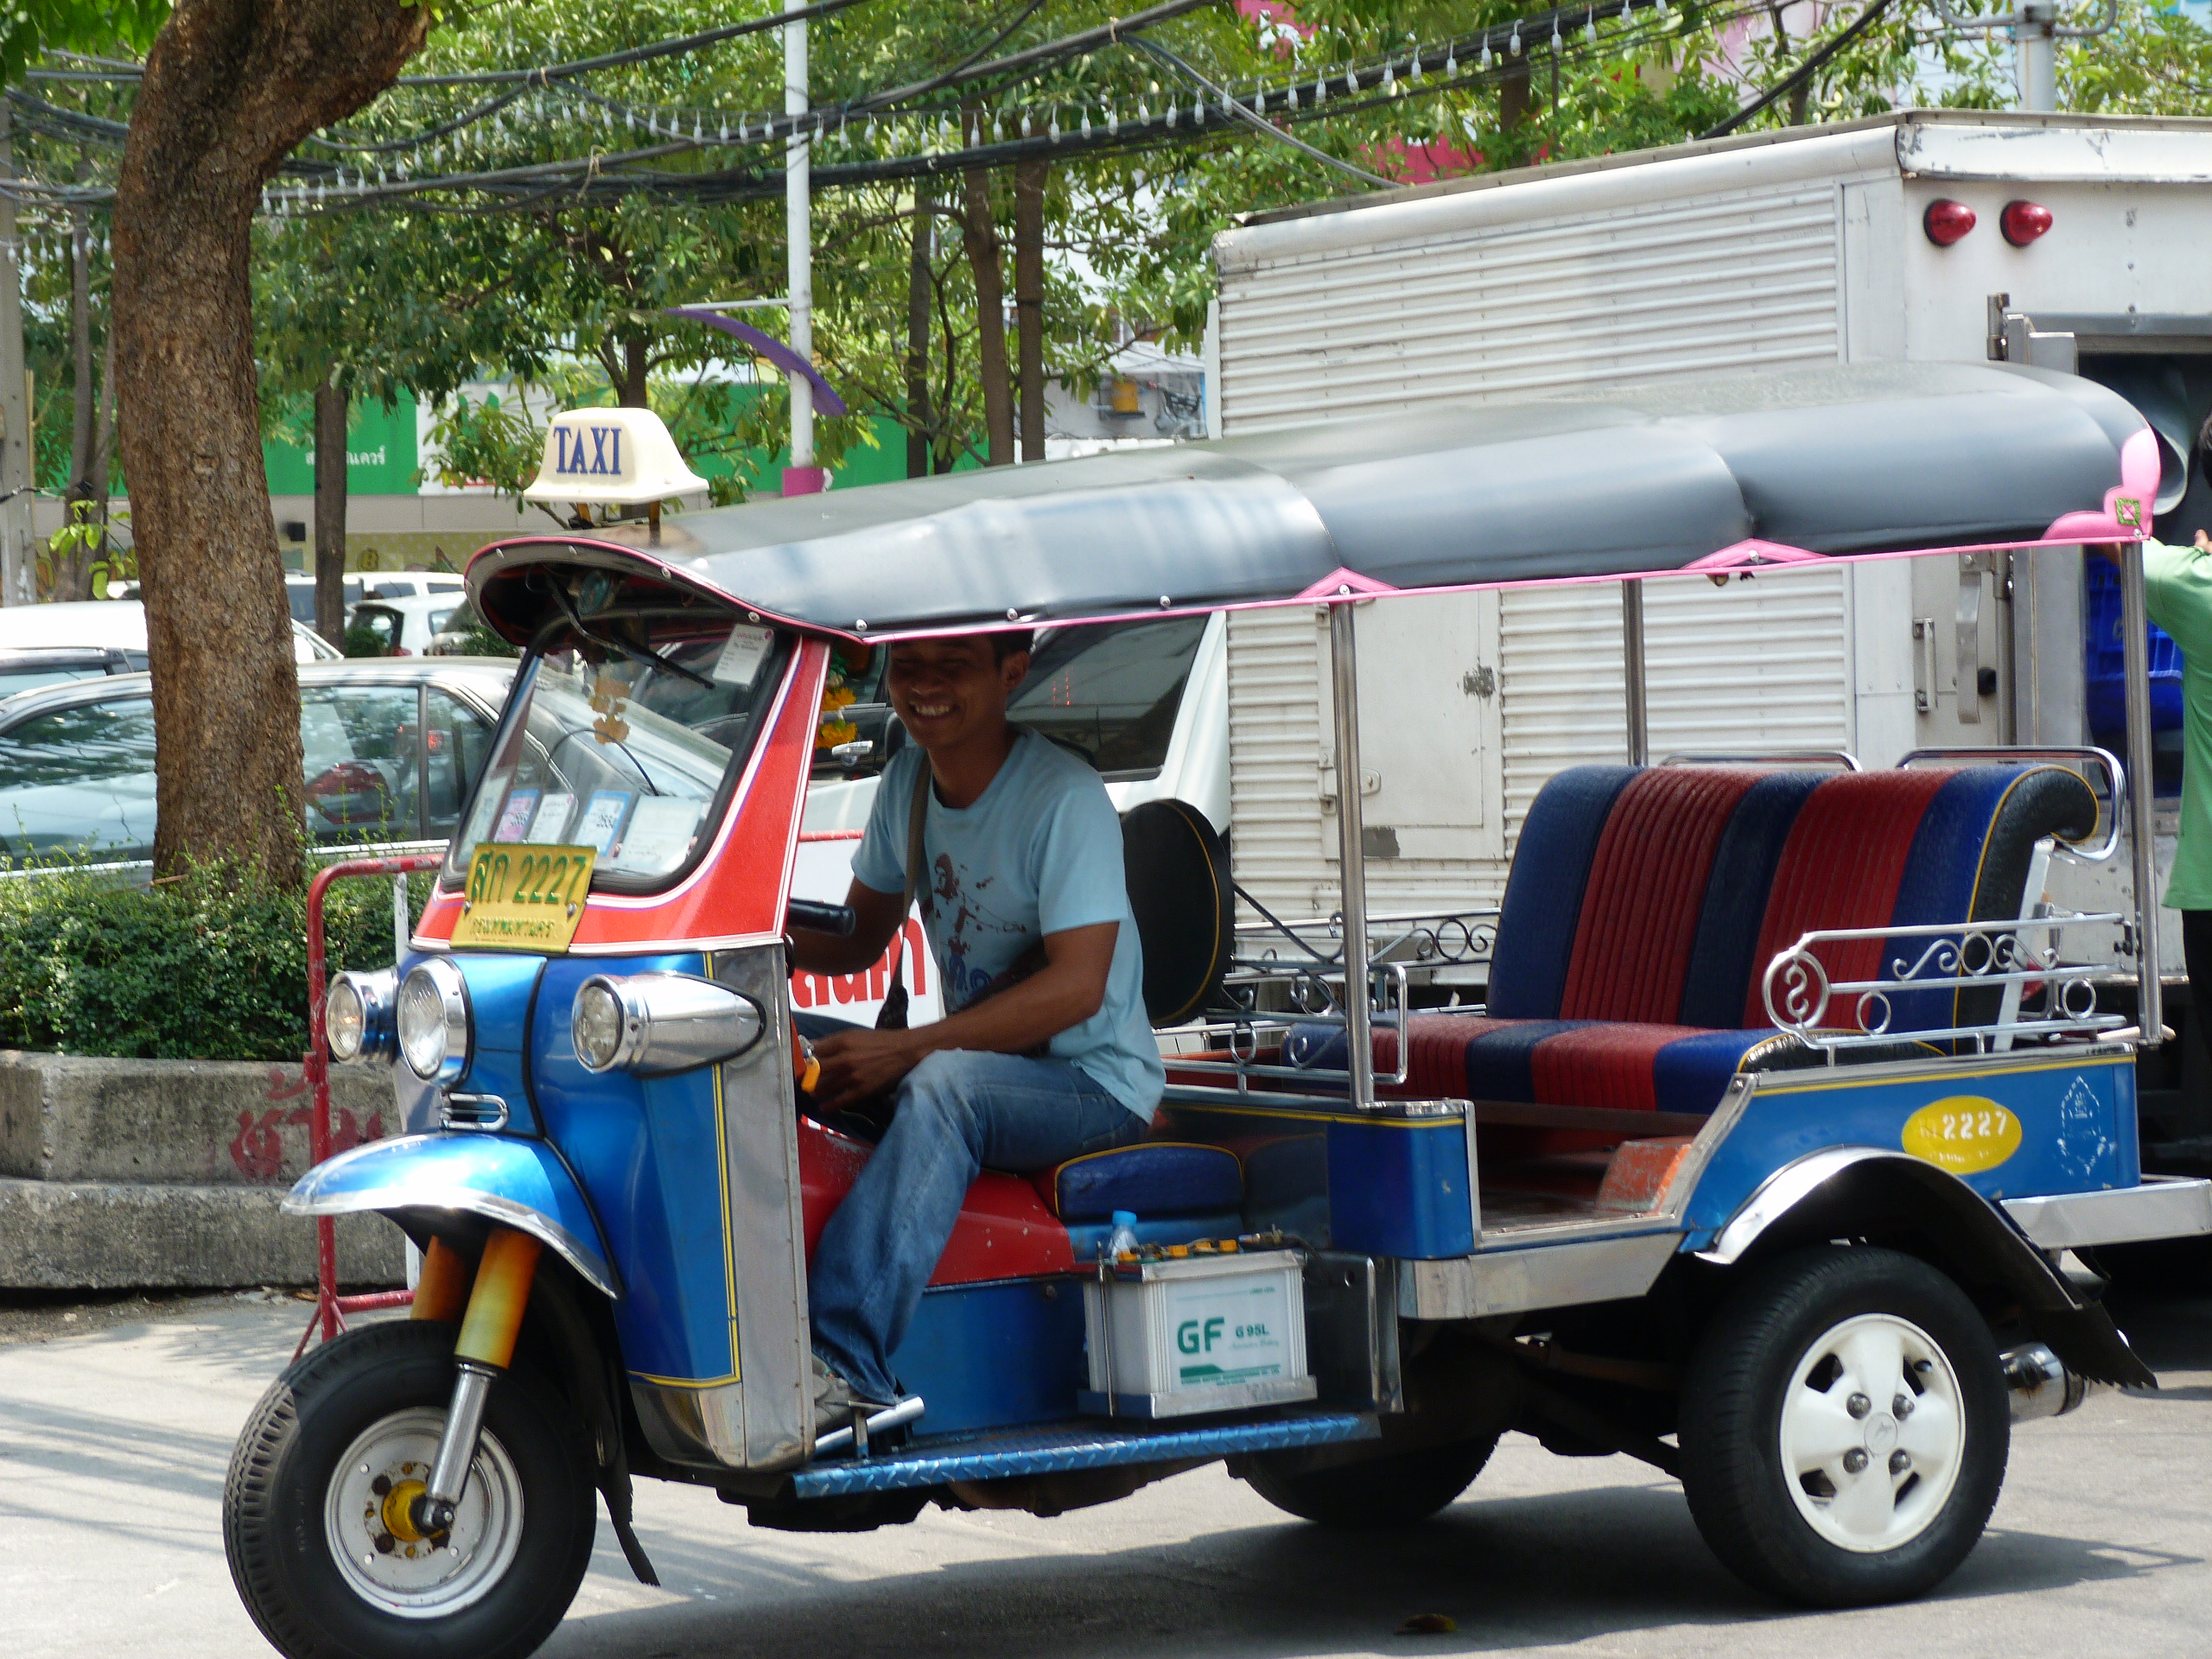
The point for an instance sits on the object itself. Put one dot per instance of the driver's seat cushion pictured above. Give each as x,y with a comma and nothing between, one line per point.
1152,1179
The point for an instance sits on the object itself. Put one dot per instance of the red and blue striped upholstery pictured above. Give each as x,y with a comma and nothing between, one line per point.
1644,907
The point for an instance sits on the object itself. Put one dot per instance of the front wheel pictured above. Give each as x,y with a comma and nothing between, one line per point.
316,1509
1844,1427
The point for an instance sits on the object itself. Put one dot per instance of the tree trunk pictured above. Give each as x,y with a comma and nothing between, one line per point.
918,332
72,571
103,468
331,410
1029,182
229,88
979,234
637,358
1513,102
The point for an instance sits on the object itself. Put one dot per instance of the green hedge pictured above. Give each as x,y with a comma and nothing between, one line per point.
203,967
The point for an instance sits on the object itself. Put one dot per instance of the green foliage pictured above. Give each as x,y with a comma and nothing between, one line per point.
88,966
30,30
362,642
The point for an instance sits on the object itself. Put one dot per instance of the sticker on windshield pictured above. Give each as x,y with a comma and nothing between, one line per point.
660,832
514,821
552,816
602,820
742,656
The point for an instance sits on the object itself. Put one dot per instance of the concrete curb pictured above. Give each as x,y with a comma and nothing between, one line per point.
125,1174
208,1123
100,1235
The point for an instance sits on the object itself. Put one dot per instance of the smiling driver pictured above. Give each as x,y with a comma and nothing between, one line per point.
1045,1052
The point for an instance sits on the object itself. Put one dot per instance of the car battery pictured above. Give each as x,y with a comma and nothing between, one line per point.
1209,1330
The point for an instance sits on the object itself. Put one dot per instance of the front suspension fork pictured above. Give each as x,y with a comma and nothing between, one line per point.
491,1317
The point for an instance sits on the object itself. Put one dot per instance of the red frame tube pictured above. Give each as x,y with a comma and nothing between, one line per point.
331,1308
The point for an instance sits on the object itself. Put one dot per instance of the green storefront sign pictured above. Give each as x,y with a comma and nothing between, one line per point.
380,456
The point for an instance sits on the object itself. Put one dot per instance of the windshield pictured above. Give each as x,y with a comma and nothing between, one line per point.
1111,691
631,758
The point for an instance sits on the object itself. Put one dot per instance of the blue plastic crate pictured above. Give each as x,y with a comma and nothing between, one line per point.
2105,660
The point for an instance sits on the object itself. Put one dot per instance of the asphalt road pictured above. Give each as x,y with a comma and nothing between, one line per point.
116,1424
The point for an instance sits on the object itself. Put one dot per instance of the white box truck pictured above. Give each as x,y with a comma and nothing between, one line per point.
2087,252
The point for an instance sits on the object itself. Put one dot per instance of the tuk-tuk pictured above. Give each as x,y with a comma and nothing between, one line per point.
1759,1159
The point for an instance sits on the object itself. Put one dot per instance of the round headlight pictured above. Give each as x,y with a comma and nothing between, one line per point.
596,1025
357,1016
343,1020
433,1020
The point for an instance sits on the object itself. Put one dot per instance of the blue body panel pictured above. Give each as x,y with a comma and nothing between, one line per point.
994,1355
2076,1120
648,1151
499,987
1398,1187
447,1172
1094,1444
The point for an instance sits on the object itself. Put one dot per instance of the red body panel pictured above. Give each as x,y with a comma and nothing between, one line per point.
1004,1231
738,889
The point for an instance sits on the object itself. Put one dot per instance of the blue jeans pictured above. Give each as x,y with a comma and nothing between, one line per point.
959,1112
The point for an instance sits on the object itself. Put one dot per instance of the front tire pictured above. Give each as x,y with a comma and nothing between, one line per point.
314,1509
1844,1427
1395,1489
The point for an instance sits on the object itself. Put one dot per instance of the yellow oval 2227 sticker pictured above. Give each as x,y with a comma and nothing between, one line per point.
522,897
1965,1133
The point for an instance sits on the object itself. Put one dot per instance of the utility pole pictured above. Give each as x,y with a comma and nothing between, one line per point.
2034,34
18,559
802,477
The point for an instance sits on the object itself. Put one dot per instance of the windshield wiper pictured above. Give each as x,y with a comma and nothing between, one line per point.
645,655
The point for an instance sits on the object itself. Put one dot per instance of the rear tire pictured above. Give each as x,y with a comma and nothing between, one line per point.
306,1519
1802,1472
1395,1489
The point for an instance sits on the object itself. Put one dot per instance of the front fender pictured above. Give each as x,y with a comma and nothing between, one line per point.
1850,1191
518,1184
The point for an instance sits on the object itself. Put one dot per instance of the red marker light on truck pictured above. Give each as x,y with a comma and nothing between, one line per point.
2023,222
1946,221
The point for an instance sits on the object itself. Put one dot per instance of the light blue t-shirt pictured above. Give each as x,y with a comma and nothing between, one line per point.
1038,852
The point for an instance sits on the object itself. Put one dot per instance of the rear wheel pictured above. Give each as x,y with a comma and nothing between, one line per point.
316,1511
1845,1428
1395,1489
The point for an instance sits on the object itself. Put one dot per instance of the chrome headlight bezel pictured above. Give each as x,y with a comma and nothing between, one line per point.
669,1022
374,994
452,1029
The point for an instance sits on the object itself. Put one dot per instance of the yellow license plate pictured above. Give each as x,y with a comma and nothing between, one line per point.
522,897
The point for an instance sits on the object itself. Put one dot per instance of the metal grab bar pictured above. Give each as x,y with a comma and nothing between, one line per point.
2115,780
1796,990
1843,758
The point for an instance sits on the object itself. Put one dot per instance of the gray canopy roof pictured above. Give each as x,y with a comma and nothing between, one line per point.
1843,459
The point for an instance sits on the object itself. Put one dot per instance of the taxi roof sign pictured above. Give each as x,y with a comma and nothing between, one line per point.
622,456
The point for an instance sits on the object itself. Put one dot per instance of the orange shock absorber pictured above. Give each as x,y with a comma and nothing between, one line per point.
488,1330
442,1291
496,1303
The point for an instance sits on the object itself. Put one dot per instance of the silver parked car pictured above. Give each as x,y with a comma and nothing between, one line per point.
392,747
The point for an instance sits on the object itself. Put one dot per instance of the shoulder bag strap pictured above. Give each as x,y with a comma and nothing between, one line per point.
892,1017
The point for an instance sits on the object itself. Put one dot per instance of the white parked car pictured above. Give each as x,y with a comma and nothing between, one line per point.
116,624
405,626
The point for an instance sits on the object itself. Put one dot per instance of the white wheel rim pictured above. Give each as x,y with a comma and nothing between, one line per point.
421,1578
1867,1475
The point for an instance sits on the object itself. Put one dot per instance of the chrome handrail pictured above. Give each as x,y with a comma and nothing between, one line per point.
1796,989
1843,758
2115,779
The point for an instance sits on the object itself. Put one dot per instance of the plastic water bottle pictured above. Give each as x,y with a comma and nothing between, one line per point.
1125,1235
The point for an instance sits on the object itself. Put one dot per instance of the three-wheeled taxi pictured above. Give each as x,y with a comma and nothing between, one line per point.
1759,1161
